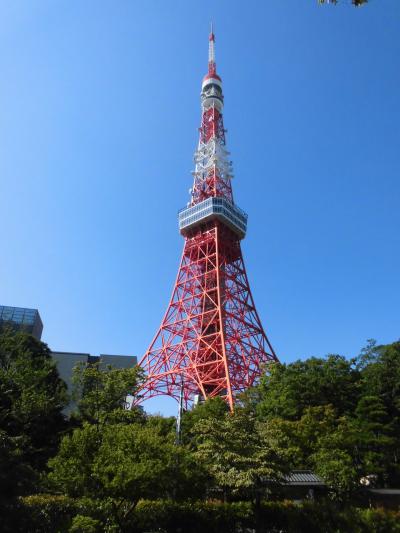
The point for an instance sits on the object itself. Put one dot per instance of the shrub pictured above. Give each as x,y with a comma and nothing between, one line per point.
195,517
380,520
85,524
48,514
45,513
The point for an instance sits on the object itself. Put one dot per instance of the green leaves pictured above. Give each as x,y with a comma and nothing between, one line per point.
134,462
71,469
102,393
340,417
337,469
123,463
287,390
240,453
32,397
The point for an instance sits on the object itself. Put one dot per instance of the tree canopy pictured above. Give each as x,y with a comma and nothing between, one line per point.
286,390
338,417
32,397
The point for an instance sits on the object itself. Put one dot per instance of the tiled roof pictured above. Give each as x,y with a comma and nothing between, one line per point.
303,477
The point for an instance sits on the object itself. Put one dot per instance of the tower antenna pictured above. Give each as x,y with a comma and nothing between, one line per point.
211,51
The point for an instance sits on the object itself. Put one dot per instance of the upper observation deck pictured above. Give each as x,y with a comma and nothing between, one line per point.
213,208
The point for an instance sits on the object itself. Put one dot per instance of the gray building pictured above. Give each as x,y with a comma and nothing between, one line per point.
22,319
28,320
66,361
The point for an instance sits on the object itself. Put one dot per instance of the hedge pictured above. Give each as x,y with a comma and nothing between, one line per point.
51,514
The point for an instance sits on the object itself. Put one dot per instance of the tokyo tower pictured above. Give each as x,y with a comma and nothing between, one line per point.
210,341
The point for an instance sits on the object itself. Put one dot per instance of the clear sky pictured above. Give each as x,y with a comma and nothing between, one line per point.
99,110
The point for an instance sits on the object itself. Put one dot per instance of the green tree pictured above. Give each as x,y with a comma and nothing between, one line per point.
376,442
165,426
102,393
213,408
241,455
71,470
125,463
85,524
380,374
380,379
336,457
117,454
337,469
16,475
287,390
32,397
326,444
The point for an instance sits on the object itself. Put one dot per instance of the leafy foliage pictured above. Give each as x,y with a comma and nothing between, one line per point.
241,454
46,514
124,463
341,418
85,524
215,408
32,397
102,393
337,417
120,455
288,389
380,378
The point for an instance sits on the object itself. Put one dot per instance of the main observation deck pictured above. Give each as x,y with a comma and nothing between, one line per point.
213,208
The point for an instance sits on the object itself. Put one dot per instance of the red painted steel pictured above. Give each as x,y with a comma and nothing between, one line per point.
211,338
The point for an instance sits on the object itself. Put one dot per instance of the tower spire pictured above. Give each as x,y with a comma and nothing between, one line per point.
212,67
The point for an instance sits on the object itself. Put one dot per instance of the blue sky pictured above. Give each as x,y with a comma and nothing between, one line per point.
99,110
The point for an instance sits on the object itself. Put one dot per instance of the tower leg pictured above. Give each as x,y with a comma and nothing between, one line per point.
211,337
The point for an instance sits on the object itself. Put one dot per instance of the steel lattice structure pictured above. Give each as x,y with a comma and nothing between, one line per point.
211,341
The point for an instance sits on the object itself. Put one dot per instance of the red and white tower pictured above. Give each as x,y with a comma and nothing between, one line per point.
211,341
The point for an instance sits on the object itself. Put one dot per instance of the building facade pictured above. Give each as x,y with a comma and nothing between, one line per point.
67,361
22,319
